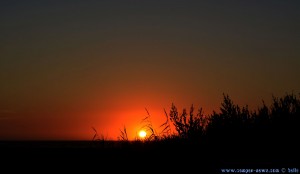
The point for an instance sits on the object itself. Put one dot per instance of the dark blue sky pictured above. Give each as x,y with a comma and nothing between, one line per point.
99,63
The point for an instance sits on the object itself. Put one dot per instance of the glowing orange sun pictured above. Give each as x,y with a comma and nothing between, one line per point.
142,134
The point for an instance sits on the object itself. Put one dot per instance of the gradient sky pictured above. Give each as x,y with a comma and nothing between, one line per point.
67,66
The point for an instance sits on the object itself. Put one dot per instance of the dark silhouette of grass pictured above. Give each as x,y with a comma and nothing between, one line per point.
264,136
280,119
273,125
123,136
148,127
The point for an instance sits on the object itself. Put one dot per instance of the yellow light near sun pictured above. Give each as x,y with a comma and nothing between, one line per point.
142,134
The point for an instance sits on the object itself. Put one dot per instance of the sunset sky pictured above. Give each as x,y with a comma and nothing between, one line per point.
68,66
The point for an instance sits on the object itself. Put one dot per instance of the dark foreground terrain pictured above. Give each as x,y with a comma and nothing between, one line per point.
115,156
261,141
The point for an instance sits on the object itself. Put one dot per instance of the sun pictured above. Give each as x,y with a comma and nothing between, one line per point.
142,134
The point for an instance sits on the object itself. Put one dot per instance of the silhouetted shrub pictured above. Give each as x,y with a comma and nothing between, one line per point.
234,127
231,122
273,126
189,126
